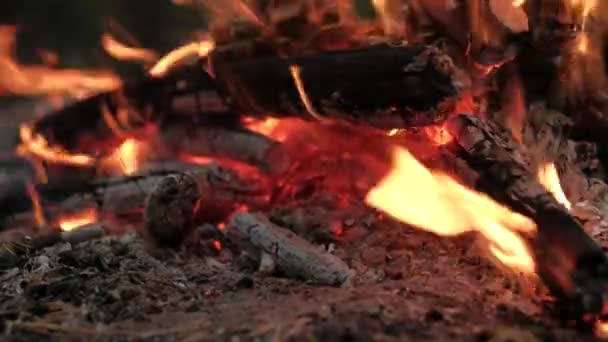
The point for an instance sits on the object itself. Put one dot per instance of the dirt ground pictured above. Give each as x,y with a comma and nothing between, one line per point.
409,286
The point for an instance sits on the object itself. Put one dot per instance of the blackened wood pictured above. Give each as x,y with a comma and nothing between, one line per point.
228,143
382,86
180,201
291,253
569,262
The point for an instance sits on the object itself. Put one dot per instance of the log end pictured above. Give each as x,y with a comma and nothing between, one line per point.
171,209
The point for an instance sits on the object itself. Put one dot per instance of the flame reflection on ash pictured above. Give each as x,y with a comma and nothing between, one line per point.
82,218
549,178
435,202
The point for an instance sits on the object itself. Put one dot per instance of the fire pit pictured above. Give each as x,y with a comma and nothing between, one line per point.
433,172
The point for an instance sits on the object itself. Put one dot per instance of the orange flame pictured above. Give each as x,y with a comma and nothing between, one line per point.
435,202
178,55
43,80
549,178
126,53
38,214
37,145
82,218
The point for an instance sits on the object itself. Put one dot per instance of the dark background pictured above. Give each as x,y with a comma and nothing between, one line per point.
73,28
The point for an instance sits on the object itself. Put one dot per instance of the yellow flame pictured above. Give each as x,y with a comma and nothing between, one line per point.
435,202
518,3
297,79
178,55
549,178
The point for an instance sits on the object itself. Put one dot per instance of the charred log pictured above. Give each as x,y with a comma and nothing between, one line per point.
414,85
292,254
228,143
580,278
180,202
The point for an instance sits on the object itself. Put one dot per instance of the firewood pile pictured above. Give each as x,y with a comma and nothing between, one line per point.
432,172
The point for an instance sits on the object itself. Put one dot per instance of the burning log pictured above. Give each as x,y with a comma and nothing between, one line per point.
291,253
580,278
413,85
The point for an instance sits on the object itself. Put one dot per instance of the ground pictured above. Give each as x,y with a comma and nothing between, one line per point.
410,286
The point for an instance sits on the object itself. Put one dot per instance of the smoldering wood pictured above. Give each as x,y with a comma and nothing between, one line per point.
413,85
176,204
229,143
569,262
123,197
291,253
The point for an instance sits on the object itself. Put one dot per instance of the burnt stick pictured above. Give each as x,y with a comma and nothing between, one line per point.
570,263
292,254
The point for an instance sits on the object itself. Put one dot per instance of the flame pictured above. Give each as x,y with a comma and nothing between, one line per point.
37,145
549,178
393,132
128,156
601,329
435,202
82,218
43,80
38,214
126,53
297,79
518,3
176,56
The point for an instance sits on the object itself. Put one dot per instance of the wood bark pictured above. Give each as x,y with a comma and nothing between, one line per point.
413,85
570,263
292,254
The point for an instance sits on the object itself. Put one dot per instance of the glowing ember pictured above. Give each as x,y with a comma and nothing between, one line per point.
178,55
583,44
217,245
127,53
435,202
518,3
393,132
549,178
37,145
439,135
77,220
38,214
601,329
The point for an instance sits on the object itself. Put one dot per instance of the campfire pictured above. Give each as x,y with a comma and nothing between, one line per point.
303,141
